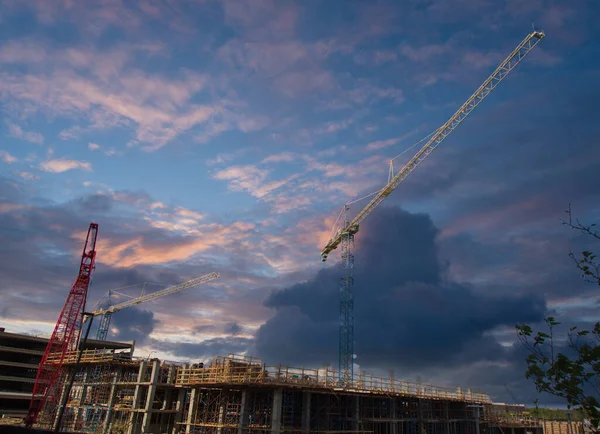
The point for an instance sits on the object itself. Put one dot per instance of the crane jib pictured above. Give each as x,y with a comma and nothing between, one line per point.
441,133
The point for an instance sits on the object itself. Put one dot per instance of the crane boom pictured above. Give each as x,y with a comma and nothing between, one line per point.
148,297
438,137
65,338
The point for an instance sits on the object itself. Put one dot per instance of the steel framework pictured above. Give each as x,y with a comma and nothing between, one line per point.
346,344
106,313
345,235
65,336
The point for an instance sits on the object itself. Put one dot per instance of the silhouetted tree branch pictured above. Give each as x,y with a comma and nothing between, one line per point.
572,374
587,264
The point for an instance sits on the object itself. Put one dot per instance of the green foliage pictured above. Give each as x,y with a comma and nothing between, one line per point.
553,414
572,374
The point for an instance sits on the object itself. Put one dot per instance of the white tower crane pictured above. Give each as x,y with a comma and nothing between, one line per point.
107,312
345,234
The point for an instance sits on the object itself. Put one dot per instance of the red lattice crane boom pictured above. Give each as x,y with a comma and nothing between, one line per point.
65,337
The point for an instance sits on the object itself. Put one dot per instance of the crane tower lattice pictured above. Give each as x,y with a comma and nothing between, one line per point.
345,234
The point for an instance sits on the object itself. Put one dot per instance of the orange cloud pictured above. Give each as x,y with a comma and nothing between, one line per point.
8,207
123,251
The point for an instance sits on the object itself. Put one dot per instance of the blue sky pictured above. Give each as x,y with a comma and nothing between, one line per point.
226,135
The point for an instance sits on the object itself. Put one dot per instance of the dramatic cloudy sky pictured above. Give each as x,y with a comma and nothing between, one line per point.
226,135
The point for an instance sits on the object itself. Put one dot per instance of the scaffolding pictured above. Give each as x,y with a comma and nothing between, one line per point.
240,370
116,393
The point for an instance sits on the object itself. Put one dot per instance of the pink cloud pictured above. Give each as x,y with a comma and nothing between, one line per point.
9,207
251,179
284,203
545,57
382,57
423,53
243,178
101,85
28,176
120,250
364,92
299,83
477,59
7,158
330,170
381,144
284,157
262,19
17,132
295,67
481,222
333,127
62,165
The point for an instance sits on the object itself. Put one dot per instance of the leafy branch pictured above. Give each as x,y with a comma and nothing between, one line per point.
572,374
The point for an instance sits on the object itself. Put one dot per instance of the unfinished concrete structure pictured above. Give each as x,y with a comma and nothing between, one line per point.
115,393
20,357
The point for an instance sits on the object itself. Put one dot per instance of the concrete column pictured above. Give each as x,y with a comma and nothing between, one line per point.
356,422
243,421
179,410
111,403
190,415
172,374
306,411
476,415
420,421
79,410
150,396
221,418
60,400
276,411
138,392
447,415
137,395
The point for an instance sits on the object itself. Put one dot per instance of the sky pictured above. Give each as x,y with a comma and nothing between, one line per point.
217,135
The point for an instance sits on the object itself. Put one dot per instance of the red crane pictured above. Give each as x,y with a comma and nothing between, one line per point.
65,338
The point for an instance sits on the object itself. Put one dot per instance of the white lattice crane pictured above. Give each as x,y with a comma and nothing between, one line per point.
344,235
106,313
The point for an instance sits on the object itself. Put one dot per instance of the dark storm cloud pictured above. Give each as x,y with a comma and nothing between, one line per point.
232,329
100,203
406,314
132,324
204,350
204,328
531,145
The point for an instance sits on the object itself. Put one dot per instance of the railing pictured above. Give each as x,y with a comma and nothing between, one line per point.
90,356
235,371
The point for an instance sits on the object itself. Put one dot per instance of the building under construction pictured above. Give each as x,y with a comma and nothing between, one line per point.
116,393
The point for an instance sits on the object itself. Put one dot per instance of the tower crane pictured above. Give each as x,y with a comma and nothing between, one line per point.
65,336
344,236
106,313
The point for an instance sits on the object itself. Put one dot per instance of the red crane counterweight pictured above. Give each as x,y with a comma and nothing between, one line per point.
65,337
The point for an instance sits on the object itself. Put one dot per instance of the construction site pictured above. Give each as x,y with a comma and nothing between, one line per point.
113,392
96,388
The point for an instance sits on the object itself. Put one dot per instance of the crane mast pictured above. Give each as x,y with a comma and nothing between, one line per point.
345,235
65,337
107,313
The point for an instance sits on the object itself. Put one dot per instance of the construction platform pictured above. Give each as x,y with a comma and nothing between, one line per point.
114,393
